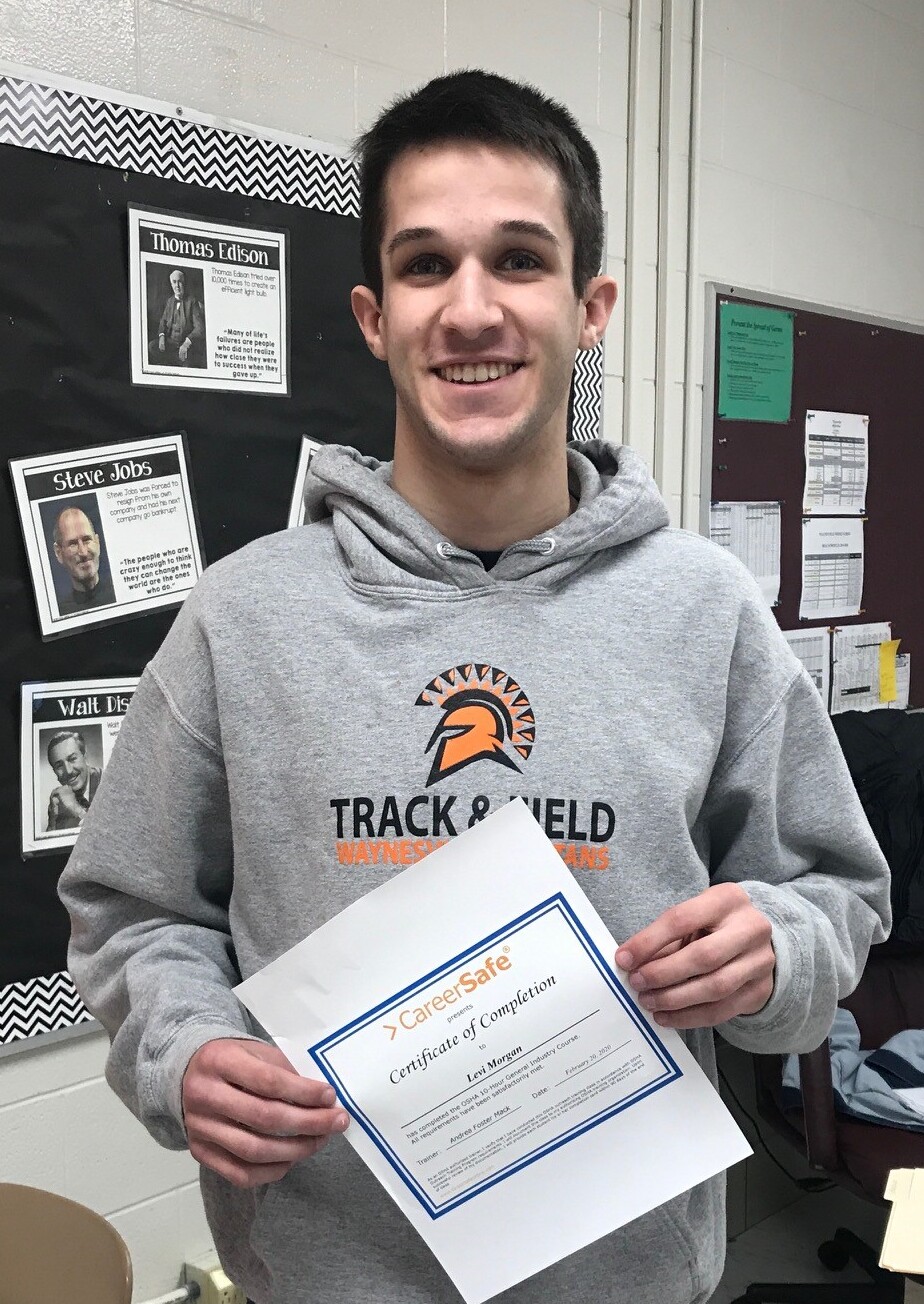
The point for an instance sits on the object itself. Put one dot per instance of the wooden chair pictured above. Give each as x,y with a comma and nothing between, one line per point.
53,1249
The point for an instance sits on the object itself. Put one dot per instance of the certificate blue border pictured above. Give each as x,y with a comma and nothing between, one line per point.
319,1052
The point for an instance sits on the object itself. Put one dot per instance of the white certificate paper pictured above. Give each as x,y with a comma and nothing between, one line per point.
504,1085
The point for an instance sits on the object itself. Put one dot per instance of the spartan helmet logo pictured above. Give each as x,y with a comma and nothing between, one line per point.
484,711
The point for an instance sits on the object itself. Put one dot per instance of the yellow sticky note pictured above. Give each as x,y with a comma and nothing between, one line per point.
888,689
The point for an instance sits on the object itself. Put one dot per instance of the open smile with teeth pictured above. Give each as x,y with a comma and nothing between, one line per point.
476,373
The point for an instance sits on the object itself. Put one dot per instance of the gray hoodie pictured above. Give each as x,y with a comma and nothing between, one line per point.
336,700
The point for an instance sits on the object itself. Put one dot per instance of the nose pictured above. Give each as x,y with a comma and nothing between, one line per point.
472,306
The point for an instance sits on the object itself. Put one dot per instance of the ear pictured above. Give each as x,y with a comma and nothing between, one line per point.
598,302
368,315
57,548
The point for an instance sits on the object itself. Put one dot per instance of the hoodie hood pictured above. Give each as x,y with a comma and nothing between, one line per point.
386,542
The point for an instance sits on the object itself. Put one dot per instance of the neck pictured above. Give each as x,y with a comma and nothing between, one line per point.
481,508
89,586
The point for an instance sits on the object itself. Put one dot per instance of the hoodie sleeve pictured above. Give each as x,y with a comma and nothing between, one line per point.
148,888
782,818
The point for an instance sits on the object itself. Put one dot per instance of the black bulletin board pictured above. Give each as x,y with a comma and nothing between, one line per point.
842,363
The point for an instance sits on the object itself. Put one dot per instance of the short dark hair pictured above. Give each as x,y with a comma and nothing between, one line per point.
61,737
487,109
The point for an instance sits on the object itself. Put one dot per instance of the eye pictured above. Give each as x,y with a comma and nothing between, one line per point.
520,260
425,265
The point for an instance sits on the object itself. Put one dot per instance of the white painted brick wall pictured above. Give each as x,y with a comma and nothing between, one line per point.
812,185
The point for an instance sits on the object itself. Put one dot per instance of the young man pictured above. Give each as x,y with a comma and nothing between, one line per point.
413,658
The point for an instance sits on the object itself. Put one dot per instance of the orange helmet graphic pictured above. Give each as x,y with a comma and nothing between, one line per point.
484,711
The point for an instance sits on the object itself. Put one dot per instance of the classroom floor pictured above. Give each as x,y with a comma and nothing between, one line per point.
783,1247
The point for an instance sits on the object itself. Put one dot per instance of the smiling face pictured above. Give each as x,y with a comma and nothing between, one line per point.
70,764
77,548
479,322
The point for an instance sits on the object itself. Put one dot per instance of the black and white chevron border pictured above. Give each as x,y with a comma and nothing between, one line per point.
139,140
587,408
39,1005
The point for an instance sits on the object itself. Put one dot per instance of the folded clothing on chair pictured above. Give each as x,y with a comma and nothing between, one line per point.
877,1086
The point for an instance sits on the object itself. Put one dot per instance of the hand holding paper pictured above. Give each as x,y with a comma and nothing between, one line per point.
720,963
250,1116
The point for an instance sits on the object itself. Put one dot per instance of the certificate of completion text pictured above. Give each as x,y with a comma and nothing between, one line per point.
513,1048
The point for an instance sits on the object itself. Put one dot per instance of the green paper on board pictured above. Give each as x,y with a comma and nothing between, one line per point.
755,362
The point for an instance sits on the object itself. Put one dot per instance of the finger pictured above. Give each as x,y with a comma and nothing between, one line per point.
704,955
253,1149
275,1118
748,1001
687,919
210,1097
283,1084
236,1170
719,985
273,1078
670,949
678,922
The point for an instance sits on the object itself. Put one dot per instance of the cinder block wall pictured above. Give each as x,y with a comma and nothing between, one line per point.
811,184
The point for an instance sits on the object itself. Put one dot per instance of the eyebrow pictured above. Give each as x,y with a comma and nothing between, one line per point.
408,235
515,226
537,229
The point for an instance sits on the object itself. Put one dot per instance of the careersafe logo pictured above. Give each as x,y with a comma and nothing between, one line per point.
468,981
486,716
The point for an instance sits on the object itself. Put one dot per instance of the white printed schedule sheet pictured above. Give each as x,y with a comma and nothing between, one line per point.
855,678
752,532
832,568
813,648
498,1073
836,463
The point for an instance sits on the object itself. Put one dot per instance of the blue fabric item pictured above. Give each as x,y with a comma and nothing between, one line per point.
866,1082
